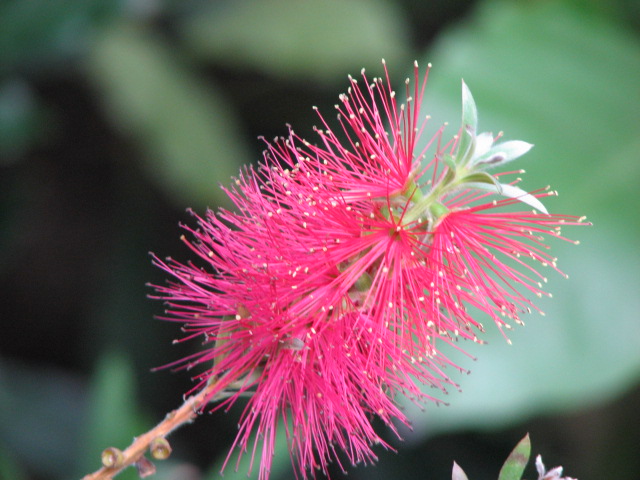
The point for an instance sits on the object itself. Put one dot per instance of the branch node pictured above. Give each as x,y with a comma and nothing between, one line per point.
112,457
160,448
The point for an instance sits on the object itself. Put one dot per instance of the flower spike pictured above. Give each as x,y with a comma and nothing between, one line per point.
348,268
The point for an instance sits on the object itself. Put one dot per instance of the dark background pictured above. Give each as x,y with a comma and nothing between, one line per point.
117,115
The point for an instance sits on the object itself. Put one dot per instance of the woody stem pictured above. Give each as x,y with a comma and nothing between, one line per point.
134,453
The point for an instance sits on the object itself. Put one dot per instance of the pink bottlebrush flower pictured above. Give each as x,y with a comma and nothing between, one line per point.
347,265
487,252
290,339
397,236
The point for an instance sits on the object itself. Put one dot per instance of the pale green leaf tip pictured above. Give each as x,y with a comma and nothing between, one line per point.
498,154
469,110
457,473
517,193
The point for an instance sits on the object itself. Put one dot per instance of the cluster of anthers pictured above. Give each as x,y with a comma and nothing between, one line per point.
346,267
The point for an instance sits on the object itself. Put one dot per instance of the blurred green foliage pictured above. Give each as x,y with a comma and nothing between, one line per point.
314,41
116,115
187,129
111,418
42,35
566,81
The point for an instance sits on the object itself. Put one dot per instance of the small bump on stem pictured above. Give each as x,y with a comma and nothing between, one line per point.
112,457
160,448
145,467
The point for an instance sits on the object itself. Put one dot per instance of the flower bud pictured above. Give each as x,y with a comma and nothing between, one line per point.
112,457
160,448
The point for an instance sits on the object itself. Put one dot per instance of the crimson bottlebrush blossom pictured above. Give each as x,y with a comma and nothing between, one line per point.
346,267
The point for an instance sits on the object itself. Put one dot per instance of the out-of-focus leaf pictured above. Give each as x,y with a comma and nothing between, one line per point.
313,40
548,74
469,125
175,470
112,419
20,120
188,131
502,153
9,467
41,413
40,33
457,473
517,460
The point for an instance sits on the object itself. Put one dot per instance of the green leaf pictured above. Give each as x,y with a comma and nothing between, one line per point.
501,153
481,177
483,143
517,461
322,41
187,129
510,191
449,162
469,127
457,473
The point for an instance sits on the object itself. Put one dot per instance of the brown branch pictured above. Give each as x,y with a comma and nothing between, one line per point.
116,461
